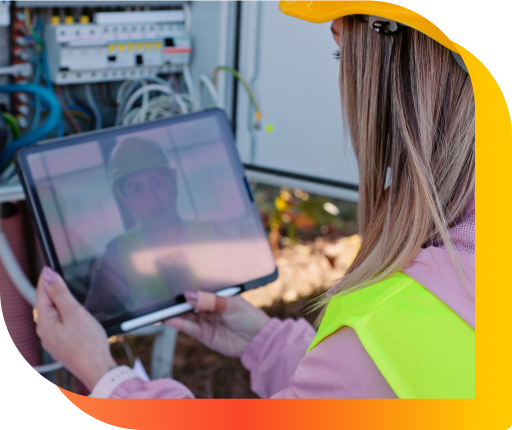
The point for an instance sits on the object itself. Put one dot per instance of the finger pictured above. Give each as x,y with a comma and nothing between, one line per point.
188,316
59,294
191,298
221,303
203,301
175,322
188,324
45,308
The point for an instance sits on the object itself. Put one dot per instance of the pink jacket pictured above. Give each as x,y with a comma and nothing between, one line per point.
338,367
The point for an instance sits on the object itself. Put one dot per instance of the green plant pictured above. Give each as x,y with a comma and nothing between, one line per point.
288,214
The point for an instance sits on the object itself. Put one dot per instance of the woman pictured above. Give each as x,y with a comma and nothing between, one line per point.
401,322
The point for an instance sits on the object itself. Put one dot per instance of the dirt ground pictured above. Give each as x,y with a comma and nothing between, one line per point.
305,270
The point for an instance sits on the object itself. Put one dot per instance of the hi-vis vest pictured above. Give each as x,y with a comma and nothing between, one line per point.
149,285
422,348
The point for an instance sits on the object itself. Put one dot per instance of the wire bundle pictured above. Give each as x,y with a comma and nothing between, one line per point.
162,106
52,121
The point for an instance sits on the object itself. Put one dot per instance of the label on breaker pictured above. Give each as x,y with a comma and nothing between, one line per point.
76,32
82,53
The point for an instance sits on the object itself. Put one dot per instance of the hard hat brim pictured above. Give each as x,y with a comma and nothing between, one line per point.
324,11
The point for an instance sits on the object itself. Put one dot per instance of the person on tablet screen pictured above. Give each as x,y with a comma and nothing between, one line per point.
146,265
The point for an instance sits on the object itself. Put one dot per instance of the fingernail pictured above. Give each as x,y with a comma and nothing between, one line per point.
174,323
49,275
191,295
192,298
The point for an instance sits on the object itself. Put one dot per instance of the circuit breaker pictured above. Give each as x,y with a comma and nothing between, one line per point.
117,46
5,16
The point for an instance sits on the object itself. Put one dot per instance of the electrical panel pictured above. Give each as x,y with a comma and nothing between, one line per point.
117,46
96,3
5,15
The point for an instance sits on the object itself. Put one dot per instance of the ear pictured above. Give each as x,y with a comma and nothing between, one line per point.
121,195
124,201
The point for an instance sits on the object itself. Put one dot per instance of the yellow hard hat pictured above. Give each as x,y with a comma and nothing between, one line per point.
323,11
133,155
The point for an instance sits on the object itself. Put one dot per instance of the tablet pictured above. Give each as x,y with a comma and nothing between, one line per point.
132,217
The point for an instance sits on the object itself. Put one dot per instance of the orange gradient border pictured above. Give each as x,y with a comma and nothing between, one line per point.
492,408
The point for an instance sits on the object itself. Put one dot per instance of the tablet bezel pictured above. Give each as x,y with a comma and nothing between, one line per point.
176,305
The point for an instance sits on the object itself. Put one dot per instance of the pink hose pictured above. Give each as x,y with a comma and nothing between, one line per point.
17,312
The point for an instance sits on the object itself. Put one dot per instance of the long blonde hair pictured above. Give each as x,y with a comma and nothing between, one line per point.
410,112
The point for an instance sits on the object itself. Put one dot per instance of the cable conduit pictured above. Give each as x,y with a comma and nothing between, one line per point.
16,311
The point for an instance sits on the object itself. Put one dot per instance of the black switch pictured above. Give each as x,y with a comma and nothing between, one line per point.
169,42
139,59
111,58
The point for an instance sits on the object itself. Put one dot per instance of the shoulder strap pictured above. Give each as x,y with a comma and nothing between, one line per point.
421,347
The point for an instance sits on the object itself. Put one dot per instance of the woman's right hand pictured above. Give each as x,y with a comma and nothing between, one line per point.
228,329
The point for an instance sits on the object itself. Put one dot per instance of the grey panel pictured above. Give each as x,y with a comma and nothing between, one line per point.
295,78
5,50
213,30
5,60
78,3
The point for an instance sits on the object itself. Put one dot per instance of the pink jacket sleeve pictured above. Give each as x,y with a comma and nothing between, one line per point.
339,367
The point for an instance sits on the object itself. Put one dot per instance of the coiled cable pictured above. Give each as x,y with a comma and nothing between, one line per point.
163,353
128,87
141,91
51,122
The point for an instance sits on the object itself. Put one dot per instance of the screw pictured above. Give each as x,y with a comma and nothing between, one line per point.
22,54
20,41
22,98
25,72
23,122
24,110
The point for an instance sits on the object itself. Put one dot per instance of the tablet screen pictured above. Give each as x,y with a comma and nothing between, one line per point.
136,219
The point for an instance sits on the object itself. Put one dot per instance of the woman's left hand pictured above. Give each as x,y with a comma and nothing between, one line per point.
69,332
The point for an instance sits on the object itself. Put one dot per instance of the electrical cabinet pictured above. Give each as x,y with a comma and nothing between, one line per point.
300,141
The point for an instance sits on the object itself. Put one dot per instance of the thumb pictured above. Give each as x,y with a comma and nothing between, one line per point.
59,293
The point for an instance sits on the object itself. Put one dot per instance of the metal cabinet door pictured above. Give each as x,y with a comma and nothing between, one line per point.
301,143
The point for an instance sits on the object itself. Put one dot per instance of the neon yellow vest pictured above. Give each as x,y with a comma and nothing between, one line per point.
422,348
151,285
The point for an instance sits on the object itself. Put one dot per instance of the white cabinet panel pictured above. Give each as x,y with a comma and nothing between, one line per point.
290,66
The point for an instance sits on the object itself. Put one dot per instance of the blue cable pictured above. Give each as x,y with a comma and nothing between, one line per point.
42,66
46,69
37,81
81,109
52,120
38,27
44,59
